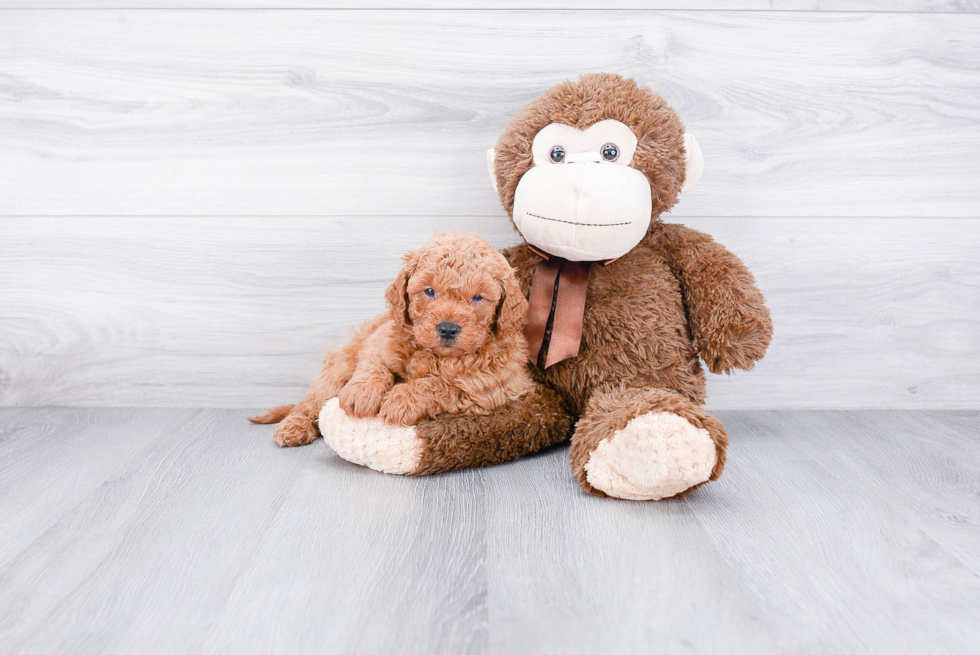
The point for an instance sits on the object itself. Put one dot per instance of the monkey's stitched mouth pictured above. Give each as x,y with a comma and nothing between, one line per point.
558,220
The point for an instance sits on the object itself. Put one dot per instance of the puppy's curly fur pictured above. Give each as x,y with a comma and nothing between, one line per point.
452,342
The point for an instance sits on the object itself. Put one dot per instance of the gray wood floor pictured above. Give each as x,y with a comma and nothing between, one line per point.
182,530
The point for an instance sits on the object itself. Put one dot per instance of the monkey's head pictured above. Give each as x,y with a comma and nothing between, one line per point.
586,167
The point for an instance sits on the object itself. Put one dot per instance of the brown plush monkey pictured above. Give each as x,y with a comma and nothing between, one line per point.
622,306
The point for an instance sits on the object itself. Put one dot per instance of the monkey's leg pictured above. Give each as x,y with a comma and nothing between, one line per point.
645,444
536,420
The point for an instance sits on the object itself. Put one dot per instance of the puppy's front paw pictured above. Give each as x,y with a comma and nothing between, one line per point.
401,407
361,397
295,430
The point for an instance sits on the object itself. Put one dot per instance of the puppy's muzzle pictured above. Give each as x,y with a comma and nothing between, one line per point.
448,331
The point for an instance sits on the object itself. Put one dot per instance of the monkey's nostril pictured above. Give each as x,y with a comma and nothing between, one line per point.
448,331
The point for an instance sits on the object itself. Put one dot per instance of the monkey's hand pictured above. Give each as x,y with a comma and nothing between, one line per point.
740,343
729,319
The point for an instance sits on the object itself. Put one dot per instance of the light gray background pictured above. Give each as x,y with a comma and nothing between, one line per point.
195,203
195,200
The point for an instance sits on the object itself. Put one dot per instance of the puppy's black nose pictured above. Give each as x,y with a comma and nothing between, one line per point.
448,331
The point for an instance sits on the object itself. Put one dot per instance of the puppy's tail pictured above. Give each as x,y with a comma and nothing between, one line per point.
274,415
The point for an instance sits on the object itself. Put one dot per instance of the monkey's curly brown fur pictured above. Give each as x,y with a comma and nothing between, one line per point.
649,316
402,367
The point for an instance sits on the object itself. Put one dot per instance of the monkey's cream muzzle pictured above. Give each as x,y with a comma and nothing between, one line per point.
583,211
582,200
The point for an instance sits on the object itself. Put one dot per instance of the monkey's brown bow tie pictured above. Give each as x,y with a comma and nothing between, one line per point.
557,301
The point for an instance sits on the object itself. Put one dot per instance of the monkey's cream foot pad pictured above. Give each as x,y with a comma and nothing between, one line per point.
657,455
370,441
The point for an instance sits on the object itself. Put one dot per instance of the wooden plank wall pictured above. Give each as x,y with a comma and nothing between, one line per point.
193,204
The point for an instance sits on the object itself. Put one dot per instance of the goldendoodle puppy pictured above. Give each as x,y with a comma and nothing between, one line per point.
452,342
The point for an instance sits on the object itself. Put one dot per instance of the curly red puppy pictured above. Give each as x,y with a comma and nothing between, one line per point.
451,342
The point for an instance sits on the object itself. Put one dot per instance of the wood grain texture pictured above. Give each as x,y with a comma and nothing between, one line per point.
29,502
926,6
808,544
829,532
570,573
389,113
209,536
190,311
877,502
237,312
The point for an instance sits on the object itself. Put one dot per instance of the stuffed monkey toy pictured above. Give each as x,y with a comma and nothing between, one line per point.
623,307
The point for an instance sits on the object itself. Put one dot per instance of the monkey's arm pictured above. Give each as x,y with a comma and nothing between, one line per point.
729,319
536,420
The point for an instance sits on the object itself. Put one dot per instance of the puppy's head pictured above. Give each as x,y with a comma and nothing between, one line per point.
455,293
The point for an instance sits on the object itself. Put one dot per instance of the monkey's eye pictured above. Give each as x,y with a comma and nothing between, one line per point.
429,292
557,154
610,152
477,298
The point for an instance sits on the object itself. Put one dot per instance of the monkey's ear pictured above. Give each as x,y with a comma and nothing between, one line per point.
695,161
491,156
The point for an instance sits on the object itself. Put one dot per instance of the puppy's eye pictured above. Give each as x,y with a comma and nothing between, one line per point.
429,292
557,154
477,298
610,152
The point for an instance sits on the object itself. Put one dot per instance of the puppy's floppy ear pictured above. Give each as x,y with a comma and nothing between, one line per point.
512,308
396,295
